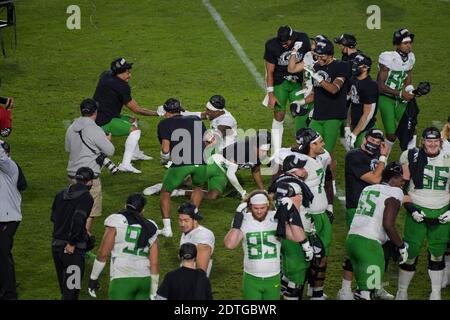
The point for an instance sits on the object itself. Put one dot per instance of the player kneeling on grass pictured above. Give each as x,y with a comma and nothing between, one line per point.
132,242
372,225
256,225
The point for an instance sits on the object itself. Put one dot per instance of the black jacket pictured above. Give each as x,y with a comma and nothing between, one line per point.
70,210
407,125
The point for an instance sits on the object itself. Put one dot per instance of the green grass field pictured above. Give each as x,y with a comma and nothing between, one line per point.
179,51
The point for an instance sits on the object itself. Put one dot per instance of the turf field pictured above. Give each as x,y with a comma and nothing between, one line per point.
179,51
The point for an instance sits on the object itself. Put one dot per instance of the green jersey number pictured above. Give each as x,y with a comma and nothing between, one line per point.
320,173
131,237
255,243
439,181
396,79
366,203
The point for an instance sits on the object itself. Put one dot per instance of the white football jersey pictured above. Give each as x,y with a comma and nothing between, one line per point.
127,260
368,219
446,146
436,180
200,235
228,120
261,246
398,69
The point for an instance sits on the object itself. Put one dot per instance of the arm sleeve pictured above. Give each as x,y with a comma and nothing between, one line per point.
231,175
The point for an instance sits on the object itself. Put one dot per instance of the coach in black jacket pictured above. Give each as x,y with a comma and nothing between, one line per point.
71,241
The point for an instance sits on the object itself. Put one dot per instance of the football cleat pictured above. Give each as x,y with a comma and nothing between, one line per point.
141,156
153,189
401,295
382,294
128,168
344,295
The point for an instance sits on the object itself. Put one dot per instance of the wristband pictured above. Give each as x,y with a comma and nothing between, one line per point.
383,159
97,269
269,89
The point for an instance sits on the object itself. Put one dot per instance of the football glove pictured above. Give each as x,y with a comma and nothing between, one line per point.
314,74
418,216
350,138
93,286
445,217
297,45
298,108
330,215
287,202
403,253
160,111
422,89
309,252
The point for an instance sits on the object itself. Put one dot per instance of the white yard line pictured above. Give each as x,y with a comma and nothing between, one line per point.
244,58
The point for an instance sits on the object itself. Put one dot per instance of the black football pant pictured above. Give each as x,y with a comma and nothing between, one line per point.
69,269
7,269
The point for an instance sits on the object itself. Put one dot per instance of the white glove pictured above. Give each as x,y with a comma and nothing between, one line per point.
347,132
351,139
160,111
243,195
418,216
287,202
297,45
445,217
265,101
166,232
242,207
313,74
403,253
309,252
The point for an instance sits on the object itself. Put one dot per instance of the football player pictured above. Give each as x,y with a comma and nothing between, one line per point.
132,242
301,110
363,167
281,85
193,232
255,225
428,172
363,101
294,262
395,83
372,225
186,156
446,136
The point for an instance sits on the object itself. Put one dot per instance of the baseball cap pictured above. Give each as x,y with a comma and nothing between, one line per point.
84,174
88,106
431,133
362,60
188,251
120,65
284,34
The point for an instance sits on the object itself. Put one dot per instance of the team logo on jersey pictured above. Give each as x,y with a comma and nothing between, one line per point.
283,59
354,95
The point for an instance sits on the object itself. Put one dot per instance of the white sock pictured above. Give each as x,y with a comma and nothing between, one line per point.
447,266
436,279
346,285
130,145
166,223
412,142
178,193
277,135
389,145
137,150
404,279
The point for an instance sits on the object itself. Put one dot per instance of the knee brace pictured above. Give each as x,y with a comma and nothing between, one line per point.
290,290
435,263
347,265
409,265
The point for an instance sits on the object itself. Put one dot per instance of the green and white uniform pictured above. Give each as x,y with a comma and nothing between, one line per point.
130,266
433,200
200,235
367,235
261,258
301,121
227,120
392,108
